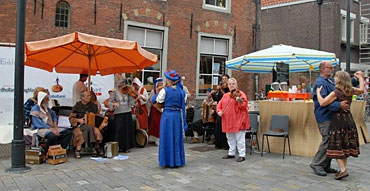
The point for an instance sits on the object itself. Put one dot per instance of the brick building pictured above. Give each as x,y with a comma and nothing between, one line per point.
305,23
194,37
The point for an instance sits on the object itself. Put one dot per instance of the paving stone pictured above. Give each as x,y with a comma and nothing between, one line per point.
204,171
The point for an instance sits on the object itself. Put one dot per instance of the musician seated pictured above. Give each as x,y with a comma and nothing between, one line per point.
45,121
82,131
209,116
207,124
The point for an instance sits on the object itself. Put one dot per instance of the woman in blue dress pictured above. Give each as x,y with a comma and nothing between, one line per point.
173,122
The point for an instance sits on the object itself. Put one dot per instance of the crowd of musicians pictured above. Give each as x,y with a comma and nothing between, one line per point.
162,114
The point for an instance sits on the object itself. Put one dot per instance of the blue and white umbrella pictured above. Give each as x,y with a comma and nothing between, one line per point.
299,59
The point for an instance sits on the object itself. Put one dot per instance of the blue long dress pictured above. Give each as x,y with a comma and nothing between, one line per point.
173,123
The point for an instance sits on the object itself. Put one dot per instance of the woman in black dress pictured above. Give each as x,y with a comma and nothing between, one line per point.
221,140
124,131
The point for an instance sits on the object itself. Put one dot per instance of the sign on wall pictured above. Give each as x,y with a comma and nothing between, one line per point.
34,78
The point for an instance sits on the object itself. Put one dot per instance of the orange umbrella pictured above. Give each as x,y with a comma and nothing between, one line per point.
79,53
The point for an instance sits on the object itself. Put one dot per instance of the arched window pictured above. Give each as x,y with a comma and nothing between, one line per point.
62,14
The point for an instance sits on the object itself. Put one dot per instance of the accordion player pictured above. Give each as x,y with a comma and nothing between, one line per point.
96,120
209,111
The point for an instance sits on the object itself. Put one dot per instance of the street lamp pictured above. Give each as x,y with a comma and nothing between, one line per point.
18,145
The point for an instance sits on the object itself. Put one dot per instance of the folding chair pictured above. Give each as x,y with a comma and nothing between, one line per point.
279,127
254,124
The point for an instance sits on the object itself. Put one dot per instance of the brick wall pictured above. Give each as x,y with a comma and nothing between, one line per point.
182,50
298,25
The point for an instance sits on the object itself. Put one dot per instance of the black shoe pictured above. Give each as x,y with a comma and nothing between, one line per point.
100,152
228,157
318,171
331,170
240,159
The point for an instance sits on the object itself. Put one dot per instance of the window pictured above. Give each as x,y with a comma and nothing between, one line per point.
218,5
62,14
213,53
152,41
364,27
343,23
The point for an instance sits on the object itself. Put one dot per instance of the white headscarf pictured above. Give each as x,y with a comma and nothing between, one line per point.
138,82
40,97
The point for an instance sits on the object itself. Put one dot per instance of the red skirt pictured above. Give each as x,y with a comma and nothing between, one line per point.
154,122
143,117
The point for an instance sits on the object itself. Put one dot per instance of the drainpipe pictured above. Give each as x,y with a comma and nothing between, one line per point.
319,3
256,28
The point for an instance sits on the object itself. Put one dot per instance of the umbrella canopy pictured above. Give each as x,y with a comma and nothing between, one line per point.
79,53
299,59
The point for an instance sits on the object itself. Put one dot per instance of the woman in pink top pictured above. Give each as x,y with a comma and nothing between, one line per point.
233,109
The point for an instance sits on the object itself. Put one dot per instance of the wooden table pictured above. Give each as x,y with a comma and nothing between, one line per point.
304,135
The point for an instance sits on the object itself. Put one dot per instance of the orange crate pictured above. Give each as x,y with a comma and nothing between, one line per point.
283,95
288,96
299,96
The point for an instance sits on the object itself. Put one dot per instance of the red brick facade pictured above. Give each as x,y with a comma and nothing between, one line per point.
176,15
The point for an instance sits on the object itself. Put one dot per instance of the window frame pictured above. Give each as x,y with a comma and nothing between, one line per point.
344,33
364,27
69,14
228,57
227,9
147,26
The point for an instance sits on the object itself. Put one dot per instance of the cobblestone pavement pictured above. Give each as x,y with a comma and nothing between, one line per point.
5,151
204,171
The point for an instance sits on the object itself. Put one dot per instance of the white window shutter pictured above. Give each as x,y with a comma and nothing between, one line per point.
206,45
153,39
136,34
221,47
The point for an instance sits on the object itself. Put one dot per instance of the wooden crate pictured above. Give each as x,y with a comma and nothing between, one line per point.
57,155
34,157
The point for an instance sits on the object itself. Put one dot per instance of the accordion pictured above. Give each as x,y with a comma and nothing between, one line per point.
95,120
209,112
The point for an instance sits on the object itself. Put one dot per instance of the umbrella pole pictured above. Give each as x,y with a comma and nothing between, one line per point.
310,80
89,71
89,74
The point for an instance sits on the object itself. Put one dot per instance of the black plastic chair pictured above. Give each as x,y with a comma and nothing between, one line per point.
197,121
279,127
254,123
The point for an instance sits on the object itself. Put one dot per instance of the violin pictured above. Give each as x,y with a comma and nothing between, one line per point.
129,91
236,95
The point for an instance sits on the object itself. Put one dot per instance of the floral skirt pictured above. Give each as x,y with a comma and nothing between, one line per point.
343,137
